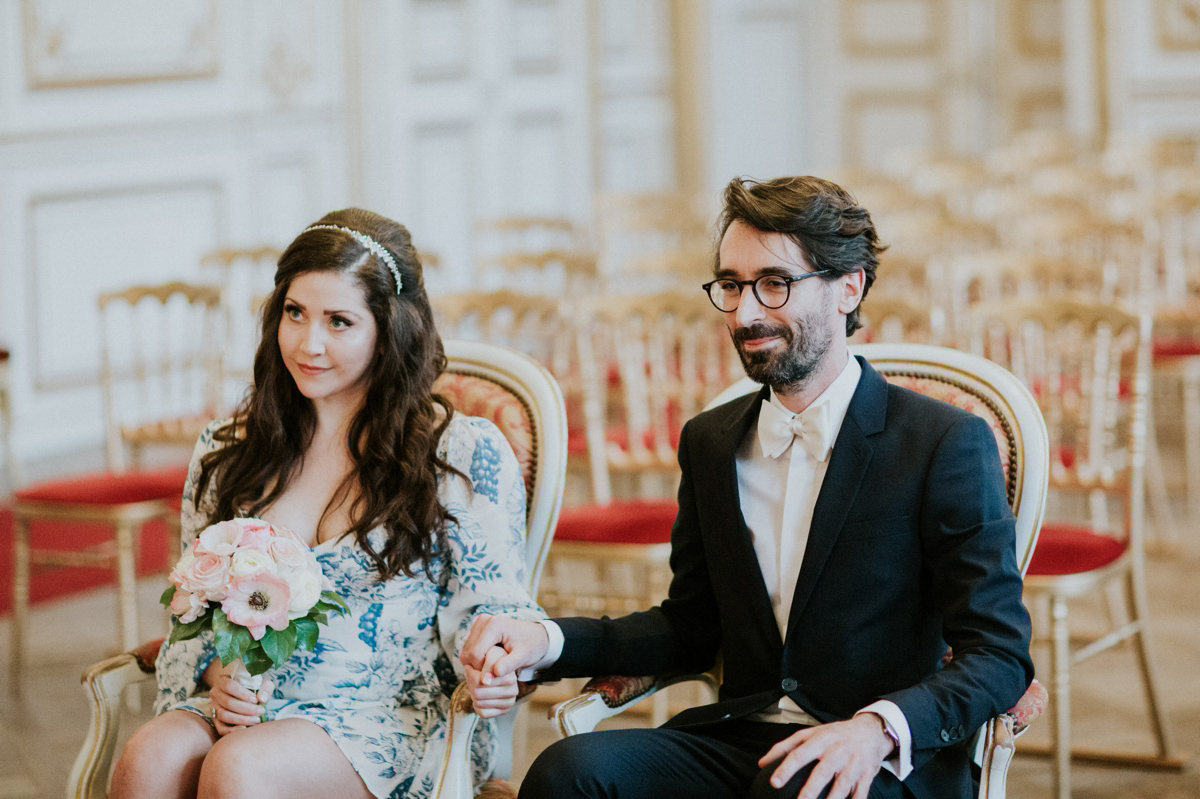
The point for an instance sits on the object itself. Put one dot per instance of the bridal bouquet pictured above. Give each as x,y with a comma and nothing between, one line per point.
260,590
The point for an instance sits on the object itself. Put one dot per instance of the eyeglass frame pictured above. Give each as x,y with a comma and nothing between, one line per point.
753,284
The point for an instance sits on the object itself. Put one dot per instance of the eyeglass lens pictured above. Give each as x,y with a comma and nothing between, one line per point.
771,291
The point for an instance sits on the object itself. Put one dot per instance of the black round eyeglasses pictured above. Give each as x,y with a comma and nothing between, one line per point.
771,291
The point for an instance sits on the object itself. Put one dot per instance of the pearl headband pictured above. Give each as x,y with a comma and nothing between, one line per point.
375,247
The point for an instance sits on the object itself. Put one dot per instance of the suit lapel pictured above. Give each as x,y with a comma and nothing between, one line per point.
847,464
727,512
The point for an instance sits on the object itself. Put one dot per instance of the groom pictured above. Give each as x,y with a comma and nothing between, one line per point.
835,534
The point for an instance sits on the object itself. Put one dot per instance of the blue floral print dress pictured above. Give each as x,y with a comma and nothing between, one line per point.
380,679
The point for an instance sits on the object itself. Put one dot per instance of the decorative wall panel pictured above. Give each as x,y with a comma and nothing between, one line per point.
539,170
1037,27
73,44
156,233
535,36
444,187
892,28
1177,23
440,40
877,121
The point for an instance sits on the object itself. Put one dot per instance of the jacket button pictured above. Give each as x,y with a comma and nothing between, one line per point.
945,735
789,684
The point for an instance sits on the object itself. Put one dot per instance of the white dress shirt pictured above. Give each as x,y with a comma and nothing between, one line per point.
779,523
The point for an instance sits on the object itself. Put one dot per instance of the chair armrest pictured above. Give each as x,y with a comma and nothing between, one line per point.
998,741
455,779
1032,705
605,697
105,683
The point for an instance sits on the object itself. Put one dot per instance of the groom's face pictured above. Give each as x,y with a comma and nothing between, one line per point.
786,345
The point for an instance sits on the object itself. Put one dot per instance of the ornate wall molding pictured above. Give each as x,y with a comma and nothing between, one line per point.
1177,24
866,34
70,45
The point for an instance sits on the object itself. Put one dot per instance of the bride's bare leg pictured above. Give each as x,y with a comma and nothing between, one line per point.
289,758
163,758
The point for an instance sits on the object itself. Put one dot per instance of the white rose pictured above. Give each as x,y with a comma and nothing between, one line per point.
306,590
250,561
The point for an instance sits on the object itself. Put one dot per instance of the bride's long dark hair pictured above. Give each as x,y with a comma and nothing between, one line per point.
392,439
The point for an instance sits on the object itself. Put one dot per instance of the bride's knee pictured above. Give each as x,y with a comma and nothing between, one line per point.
234,767
162,757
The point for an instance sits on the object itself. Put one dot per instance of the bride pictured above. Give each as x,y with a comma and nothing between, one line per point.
416,514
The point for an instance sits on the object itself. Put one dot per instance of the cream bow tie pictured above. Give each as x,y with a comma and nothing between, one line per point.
776,430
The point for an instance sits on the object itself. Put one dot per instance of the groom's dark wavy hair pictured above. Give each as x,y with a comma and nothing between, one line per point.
832,230
392,438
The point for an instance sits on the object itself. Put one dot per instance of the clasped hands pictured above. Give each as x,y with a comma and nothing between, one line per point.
848,753
497,648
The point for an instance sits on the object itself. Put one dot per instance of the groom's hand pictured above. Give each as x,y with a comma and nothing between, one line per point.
848,755
524,644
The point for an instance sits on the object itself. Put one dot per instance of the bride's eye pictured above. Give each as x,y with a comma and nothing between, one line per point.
292,312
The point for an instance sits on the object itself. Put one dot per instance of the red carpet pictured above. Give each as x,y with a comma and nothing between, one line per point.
53,583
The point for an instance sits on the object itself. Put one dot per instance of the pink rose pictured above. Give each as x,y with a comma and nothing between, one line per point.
255,534
219,539
188,607
289,554
185,562
206,576
258,602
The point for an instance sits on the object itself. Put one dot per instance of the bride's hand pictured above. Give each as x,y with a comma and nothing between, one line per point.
235,706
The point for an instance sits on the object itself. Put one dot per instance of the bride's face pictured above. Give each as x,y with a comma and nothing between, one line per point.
327,336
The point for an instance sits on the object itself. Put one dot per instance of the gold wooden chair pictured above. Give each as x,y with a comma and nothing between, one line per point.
159,366
894,319
633,225
1088,365
563,274
648,364
961,379
11,470
481,379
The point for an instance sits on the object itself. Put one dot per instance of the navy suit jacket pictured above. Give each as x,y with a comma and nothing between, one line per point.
911,550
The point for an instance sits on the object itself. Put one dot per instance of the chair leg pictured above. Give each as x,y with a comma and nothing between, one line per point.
1060,698
1136,597
20,590
1191,438
126,586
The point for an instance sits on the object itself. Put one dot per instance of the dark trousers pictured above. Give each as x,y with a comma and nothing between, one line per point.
718,761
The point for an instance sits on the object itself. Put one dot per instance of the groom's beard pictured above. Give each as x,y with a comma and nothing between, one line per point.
807,342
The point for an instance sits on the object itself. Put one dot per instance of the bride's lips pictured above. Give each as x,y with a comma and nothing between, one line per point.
312,371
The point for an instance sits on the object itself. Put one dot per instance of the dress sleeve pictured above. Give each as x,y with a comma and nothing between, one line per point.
180,665
487,542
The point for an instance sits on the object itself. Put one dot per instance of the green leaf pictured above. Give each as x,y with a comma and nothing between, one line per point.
231,640
318,617
256,661
167,596
306,633
279,644
334,599
184,632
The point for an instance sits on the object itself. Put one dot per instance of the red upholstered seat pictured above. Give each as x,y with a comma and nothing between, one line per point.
109,489
1175,347
1062,549
618,523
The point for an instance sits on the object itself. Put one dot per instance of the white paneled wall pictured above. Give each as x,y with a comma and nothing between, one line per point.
135,137
474,110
